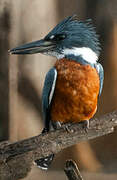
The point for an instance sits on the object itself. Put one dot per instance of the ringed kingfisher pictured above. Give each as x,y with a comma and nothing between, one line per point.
72,87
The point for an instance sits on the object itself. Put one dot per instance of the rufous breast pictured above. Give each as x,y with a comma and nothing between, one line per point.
76,92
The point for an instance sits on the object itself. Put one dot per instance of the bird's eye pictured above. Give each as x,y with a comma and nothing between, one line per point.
57,37
52,37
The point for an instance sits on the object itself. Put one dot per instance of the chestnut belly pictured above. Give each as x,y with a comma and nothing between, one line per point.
76,92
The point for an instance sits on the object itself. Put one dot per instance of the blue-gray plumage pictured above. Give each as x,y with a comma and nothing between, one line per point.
75,34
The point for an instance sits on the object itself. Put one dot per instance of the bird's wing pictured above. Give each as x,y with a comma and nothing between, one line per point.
47,95
101,75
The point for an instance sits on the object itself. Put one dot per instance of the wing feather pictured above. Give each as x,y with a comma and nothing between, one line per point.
47,94
100,71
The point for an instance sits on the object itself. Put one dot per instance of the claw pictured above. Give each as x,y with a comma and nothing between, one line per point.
56,125
67,127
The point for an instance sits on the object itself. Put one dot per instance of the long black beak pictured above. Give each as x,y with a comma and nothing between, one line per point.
40,46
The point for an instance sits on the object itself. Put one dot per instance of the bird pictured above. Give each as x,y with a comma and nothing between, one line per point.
73,85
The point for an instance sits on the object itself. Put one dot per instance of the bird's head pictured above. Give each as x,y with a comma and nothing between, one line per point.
69,37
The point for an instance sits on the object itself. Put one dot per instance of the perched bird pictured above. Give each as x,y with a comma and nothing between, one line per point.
73,85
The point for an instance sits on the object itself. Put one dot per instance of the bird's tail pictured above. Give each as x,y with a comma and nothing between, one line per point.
44,163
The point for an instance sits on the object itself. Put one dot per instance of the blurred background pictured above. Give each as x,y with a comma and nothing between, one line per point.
22,78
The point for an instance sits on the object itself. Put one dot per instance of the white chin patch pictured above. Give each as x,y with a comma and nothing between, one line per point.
86,53
54,54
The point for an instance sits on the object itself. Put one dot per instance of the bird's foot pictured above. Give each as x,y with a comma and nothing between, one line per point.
85,125
45,131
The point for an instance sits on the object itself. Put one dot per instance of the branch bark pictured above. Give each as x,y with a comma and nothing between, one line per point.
17,158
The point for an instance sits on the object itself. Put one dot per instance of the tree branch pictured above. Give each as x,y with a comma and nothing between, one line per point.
16,158
72,171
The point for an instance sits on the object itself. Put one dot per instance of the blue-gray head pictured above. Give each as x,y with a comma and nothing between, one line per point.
69,37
